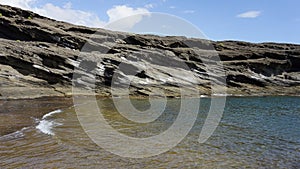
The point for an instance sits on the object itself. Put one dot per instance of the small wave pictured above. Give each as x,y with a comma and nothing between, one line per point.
46,125
51,113
221,94
16,134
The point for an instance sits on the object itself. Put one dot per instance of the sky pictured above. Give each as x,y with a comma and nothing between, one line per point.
245,20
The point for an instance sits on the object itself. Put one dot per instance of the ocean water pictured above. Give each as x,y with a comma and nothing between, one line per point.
254,132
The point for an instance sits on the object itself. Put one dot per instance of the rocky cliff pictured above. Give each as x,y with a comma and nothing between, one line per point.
39,57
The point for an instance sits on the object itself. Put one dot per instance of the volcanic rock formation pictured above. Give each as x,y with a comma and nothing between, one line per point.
39,57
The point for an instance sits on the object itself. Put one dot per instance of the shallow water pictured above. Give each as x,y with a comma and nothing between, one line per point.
255,132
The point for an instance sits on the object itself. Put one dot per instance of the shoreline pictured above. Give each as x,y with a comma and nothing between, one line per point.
144,97
30,117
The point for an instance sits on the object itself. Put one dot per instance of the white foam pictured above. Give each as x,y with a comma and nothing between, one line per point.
221,94
46,125
51,113
16,134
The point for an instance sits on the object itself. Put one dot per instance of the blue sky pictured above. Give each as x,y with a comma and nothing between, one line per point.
247,20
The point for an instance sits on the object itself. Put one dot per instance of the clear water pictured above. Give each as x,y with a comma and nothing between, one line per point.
255,132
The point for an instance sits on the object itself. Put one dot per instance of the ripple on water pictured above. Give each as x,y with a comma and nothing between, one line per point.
254,133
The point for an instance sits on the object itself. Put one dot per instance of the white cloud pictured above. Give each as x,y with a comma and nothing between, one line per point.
149,6
172,7
24,4
123,11
68,5
189,11
65,13
249,14
68,14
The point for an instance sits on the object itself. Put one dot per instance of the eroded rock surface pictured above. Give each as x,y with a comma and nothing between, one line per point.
39,57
